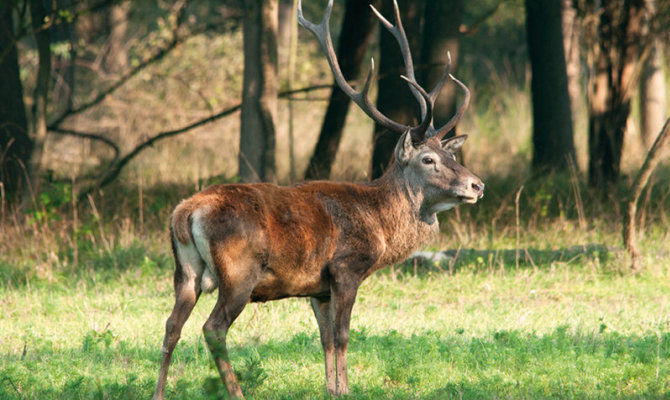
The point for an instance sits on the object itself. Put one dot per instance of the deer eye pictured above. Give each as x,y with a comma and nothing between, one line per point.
428,160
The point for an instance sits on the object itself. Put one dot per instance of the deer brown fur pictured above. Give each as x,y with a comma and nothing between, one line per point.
260,242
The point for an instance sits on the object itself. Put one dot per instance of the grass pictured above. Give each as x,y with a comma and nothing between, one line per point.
84,302
570,322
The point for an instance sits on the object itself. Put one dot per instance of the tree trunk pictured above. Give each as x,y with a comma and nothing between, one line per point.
15,144
38,16
617,49
553,146
653,102
259,94
356,32
284,30
63,33
116,59
442,20
571,33
394,98
641,181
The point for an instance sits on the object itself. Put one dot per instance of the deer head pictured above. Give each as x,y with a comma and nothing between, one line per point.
431,168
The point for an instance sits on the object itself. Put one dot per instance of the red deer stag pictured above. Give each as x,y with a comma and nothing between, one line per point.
260,242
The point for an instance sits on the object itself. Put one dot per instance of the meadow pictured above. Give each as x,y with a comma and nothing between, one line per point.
563,317
533,299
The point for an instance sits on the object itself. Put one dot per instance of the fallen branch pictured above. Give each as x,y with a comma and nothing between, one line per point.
641,180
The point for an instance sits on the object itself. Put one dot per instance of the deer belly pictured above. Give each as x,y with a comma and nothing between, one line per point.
289,281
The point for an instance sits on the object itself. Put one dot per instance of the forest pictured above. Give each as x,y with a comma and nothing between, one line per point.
554,284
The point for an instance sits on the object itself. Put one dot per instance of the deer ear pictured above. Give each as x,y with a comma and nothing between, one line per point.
405,148
453,144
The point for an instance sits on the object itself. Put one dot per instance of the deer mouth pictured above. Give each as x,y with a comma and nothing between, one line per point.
468,199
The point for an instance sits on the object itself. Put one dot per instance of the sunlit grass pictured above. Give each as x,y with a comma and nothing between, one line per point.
562,326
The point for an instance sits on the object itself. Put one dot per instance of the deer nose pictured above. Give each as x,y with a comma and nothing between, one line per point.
478,187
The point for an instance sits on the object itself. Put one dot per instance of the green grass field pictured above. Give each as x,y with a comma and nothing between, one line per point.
570,322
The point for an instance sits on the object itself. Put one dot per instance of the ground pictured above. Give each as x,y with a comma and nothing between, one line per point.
569,322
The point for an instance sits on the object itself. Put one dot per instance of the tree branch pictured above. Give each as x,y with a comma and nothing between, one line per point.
474,27
178,13
118,164
641,180
91,136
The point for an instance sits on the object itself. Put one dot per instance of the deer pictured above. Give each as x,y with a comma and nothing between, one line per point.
257,242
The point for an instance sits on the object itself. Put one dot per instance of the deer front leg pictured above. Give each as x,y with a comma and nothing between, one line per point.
324,318
343,296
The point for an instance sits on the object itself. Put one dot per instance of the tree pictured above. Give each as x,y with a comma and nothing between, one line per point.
553,146
394,98
63,39
355,34
653,100
442,20
571,46
259,94
614,50
38,16
15,144
285,19
641,181
116,58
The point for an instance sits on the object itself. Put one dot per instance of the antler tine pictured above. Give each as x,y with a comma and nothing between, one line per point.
439,133
419,132
322,33
398,33
447,71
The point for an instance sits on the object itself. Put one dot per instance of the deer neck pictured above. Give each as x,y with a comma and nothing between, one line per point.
398,192
402,215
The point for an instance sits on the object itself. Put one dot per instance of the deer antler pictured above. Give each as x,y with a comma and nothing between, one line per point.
426,101
398,33
322,33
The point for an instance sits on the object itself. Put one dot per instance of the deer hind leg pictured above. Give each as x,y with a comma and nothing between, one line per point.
187,290
324,318
238,275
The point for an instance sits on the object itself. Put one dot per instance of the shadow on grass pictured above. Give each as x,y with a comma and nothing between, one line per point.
422,262
96,264
432,365
99,264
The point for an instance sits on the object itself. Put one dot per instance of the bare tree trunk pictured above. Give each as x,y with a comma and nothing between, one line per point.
356,32
616,50
259,95
653,102
284,29
116,59
63,32
15,144
641,180
571,33
38,16
394,98
553,145
442,20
